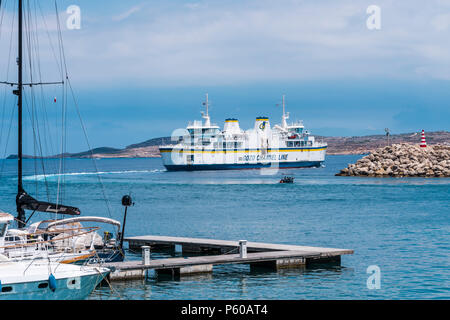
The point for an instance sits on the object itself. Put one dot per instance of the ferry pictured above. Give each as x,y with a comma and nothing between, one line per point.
204,146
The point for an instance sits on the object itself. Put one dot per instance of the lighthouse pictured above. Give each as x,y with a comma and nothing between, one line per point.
423,143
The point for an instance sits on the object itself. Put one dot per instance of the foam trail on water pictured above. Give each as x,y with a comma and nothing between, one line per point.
49,176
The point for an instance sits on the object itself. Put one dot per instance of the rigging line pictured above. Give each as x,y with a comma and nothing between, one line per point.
63,145
15,100
28,51
62,53
49,38
62,154
64,110
1,17
64,99
7,70
38,67
34,124
7,139
45,114
69,85
34,39
35,140
90,148
47,132
64,130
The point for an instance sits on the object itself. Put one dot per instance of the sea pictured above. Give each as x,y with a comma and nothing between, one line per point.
398,227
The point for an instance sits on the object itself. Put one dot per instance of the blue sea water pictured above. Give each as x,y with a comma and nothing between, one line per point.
401,225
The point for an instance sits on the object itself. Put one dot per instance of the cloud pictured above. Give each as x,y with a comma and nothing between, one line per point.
127,13
441,22
212,42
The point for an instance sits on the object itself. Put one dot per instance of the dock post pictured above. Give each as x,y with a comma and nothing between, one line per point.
243,248
145,255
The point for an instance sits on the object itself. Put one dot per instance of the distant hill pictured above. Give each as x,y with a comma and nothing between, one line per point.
336,145
85,154
103,150
151,143
366,144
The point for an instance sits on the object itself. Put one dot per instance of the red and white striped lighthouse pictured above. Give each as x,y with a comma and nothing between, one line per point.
423,143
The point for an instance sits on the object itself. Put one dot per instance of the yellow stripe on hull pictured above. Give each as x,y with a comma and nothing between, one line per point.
240,151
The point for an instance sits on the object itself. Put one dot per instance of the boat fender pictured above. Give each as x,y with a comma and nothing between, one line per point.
0,285
52,282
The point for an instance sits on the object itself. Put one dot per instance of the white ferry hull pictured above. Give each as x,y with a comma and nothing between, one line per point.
175,159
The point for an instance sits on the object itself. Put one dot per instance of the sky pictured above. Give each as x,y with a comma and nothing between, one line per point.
140,69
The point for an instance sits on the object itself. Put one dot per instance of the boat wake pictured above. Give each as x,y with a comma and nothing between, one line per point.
39,177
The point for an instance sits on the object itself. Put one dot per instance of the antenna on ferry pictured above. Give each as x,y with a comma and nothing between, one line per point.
206,116
285,115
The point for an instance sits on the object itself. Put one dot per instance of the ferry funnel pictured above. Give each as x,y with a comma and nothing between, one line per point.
262,124
231,126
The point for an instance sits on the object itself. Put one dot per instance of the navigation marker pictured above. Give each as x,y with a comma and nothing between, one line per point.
423,143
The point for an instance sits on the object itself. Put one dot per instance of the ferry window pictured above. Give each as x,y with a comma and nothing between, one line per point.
297,143
298,130
224,145
290,144
2,229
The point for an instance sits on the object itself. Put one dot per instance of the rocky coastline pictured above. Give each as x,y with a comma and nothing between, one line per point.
402,160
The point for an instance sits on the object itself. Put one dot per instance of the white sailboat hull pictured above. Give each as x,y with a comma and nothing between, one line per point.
31,280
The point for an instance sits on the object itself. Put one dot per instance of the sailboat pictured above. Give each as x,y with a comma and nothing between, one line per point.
26,241
44,279
39,277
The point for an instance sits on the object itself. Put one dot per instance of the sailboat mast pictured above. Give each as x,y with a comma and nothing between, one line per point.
20,211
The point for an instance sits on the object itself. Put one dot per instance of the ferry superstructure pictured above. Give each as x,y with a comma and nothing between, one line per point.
204,146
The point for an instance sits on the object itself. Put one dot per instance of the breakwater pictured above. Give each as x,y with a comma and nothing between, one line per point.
402,160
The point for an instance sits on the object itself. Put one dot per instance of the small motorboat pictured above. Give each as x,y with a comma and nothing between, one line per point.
287,179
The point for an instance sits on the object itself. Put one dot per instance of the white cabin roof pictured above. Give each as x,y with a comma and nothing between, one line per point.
5,217
294,125
198,124
84,219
